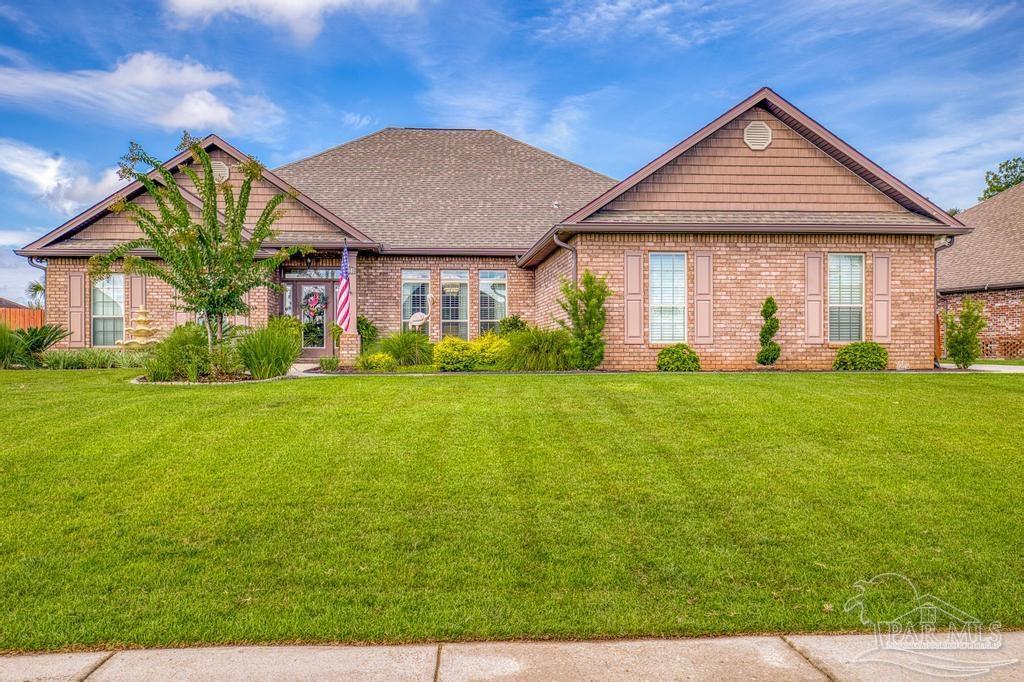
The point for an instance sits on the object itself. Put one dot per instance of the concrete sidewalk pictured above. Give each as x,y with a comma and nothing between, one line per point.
789,657
1007,369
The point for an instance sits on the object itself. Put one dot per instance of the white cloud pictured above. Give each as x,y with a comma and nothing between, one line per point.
304,18
63,185
146,87
682,23
352,119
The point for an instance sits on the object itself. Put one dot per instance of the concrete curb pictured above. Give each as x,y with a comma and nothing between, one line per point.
767,657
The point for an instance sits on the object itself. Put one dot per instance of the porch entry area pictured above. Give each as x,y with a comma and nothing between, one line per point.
309,296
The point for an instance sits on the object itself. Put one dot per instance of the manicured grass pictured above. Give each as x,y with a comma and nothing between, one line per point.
402,508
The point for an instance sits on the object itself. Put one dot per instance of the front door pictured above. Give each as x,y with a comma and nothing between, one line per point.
314,306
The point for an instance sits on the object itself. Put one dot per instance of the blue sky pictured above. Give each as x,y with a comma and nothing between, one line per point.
934,91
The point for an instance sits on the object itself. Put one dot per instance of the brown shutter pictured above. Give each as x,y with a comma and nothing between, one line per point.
881,311
703,307
137,292
76,309
633,293
814,315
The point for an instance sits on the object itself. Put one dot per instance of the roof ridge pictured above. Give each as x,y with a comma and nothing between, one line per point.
334,147
551,154
1005,192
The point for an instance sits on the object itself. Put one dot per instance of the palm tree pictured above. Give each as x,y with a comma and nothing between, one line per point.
36,293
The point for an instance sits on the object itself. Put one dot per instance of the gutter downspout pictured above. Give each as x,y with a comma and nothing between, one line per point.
572,249
948,242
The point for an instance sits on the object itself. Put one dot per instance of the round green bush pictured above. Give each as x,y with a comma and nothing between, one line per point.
376,362
511,325
453,354
678,358
862,357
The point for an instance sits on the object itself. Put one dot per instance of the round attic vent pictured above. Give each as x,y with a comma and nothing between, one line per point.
220,171
757,135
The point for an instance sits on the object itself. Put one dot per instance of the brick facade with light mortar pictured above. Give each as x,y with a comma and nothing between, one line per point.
748,268
1003,337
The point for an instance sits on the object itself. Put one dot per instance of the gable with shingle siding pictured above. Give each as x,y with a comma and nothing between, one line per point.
721,173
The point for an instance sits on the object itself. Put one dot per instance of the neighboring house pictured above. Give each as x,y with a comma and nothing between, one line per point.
988,265
471,225
8,303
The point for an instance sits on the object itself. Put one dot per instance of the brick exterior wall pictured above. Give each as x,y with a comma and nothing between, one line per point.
747,269
379,296
1004,308
160,299
548,284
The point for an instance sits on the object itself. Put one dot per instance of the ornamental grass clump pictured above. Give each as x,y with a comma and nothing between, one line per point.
537,350
408,348
269,352
678,358
329,363
770,350
963,345
864,356
12,348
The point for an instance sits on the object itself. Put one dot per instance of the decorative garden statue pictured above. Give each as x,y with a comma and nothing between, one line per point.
142,332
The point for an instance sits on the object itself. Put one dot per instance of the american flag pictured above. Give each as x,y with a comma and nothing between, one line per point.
344,302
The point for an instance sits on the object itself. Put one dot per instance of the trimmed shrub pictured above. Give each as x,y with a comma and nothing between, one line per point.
225,362
408,348
863,356
181,355
12,348
584,306
269,351
329,363
453,354
376,362
62,359
537,350
770,350
368,332
678,358
489,349
511,325
963,346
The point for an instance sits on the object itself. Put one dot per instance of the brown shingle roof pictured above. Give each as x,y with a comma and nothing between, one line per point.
437,188
993,255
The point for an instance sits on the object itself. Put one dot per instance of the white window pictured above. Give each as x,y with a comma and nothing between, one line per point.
108,310
667,297
845,297
493,299
415,296
455,303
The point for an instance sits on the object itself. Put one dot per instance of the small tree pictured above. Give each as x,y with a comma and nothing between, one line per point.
211,262
583,303
1009,173
962,343
770,350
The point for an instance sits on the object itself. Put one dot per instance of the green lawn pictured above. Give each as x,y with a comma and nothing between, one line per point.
403,508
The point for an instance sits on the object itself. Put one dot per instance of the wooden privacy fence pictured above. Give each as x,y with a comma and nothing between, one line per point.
20,318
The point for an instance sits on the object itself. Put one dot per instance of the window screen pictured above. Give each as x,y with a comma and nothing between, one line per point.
108,310
845,297
667,297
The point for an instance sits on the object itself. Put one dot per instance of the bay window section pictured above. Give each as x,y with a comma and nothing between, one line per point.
455,303
108,310
415,297
667,297
845,297
493,299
